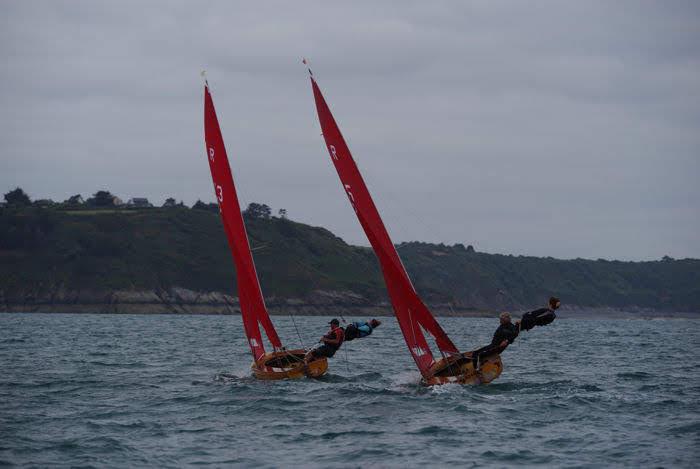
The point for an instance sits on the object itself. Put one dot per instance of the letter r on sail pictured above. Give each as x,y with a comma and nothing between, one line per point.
350,196
347,189
334,155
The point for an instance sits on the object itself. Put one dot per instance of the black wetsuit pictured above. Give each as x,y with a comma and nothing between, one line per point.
505,332
509,332
538,317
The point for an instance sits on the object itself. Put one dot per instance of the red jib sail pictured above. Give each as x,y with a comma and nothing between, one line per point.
253,310
413,316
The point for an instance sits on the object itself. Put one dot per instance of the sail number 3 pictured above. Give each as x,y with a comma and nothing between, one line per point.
334,155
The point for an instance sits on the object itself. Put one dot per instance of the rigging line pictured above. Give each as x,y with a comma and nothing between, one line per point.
301,341
447,360
449,366
347,365
294,357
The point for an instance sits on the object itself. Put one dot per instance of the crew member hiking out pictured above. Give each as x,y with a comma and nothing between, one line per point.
540,317
507,332
360,330
331,343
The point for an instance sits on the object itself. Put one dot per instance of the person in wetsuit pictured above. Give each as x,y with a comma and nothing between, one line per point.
504,336
540,317
331,343
360,330
507,332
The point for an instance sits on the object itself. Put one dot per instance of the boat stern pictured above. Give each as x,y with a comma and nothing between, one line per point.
460,370
287,364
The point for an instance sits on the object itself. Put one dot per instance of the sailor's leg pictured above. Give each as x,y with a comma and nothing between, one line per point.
309,356
479,355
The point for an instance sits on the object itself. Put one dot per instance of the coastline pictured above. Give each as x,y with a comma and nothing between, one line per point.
322,303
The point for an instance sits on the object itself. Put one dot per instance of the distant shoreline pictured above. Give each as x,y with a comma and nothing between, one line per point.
322,303
177,260
363,312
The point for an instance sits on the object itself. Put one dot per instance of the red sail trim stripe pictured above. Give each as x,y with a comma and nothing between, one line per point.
412,314
253,310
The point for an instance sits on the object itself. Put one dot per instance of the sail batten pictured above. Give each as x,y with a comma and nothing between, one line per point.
412,314
253,310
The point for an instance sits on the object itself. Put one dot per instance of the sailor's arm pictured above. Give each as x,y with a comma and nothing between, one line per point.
334,341
501,335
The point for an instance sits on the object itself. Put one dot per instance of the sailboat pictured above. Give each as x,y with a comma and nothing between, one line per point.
280,363
414,318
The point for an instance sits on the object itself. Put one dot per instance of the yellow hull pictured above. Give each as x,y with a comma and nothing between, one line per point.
288,364
460,370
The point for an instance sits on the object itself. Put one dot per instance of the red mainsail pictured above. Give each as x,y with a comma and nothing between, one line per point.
253,310
413,316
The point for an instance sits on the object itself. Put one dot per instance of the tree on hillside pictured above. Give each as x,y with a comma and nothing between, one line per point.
76,199
101,199
211,207
169,202
44,203
257,211
282,213
17,197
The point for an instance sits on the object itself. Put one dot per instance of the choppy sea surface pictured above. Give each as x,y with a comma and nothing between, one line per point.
129,390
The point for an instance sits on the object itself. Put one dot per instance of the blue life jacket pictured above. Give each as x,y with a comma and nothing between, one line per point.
363,329
357,330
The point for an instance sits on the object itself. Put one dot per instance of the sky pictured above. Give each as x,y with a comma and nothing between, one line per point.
563,129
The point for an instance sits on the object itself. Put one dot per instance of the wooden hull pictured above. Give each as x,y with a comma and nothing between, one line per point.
460,370
287,364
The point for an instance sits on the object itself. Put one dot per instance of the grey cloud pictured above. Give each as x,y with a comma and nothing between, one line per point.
543,128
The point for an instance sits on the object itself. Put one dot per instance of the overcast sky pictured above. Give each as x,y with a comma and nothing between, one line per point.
564,129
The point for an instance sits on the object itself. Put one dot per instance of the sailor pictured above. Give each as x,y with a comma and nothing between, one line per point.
504,336
540,317
331,343
507,331
360,330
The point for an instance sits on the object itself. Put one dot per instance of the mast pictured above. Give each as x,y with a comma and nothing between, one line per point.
412,314
253,310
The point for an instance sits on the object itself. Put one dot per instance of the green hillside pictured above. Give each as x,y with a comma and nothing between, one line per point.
42,249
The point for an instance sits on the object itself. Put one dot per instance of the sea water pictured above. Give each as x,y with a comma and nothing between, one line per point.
128,390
